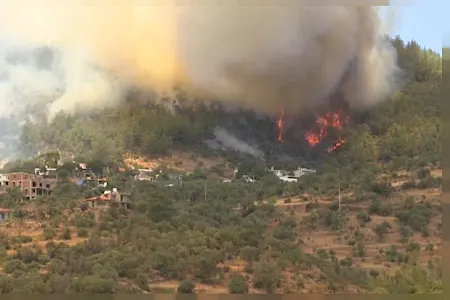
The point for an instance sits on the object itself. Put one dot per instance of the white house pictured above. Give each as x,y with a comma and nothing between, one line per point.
284,175
249,179
303,171
288,178
3,179
278,173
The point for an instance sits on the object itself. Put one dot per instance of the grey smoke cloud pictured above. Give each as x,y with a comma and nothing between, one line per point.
263,58
230,141
266,58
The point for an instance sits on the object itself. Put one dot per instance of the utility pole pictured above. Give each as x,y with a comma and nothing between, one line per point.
339,206
339,197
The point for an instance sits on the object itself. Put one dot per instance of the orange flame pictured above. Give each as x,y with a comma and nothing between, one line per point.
336,145
333,120
281,127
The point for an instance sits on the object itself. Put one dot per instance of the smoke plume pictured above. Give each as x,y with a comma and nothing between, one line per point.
228,140
76,57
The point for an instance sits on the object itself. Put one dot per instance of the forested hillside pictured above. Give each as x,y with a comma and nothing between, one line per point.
405,126
203,235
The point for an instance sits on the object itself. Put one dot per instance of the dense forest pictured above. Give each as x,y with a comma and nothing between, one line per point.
191,234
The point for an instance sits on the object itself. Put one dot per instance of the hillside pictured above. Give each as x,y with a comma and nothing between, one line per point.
368,221
287,245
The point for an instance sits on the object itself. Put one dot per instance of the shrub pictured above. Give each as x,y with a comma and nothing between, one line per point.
66,234
186,287
82,233
237,284
49,234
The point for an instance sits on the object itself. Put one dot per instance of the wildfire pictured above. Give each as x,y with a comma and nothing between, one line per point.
329,120
280,126
336,145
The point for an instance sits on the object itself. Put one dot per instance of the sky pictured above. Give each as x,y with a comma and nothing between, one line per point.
419,20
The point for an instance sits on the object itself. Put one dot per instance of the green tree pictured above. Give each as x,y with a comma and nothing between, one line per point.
186,287
238,284
267,276
382,229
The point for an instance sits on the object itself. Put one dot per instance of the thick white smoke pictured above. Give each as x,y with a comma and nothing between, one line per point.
40,78
260,57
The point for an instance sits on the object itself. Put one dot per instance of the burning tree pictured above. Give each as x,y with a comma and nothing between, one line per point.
326,123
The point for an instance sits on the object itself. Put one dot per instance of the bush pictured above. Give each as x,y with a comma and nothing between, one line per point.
13,265
267,276
363,217
186,287
428,182
6,285
423,173
346,262
238,284
142,282
417,217
87,219
94,284
82,233
413,247
405,233
66,234
24,239
378,208
382,229
383,188
410,184
49,234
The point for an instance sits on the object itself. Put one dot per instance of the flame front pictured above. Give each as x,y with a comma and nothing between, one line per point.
281,127
329,120
336,145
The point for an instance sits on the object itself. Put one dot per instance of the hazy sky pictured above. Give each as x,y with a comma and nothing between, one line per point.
422,21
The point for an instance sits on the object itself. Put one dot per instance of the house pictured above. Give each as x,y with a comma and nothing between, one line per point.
46,171
84,172
288,178
5,214
31,185
248,179
303,171
97,182
176,177
108,198
3,179
3,183
145,175
284,175
278,173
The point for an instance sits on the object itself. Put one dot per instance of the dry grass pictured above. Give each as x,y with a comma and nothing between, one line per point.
185,162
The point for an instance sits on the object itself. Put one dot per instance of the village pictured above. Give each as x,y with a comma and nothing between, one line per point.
43,181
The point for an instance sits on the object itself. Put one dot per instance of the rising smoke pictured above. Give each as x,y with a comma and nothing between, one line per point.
263,58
